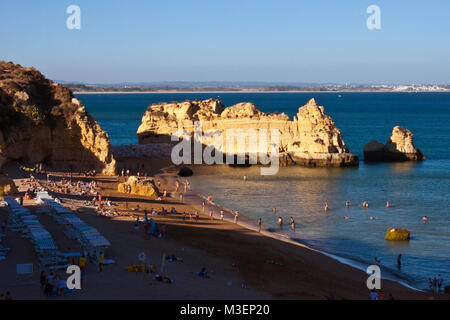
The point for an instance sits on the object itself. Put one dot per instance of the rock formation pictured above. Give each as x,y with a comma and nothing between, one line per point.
393,234
311,139
41,121
139,186
7,186
399,147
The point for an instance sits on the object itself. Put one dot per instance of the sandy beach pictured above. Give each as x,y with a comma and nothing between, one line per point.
241,263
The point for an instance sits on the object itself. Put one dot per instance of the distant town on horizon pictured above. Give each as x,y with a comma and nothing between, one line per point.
228,86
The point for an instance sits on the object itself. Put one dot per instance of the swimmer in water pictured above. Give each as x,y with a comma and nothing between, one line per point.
387,204
347,204
346,217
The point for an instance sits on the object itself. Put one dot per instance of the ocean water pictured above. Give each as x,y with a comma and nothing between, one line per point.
413,189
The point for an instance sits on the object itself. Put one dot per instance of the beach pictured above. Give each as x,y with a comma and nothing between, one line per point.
241,263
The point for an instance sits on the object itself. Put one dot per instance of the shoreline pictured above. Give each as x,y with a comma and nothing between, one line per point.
269,264
197,197
249,91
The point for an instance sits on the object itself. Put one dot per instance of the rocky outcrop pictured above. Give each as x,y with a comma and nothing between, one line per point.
142,187
41,121
311,139
399,147
397,234
7,186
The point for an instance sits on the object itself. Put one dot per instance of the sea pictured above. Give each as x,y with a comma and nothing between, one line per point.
414,190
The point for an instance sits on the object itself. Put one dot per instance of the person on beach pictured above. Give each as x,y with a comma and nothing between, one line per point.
280,222
387,204
326,206
245,178
440,281
274,210
430,284
221,215
373,295
203,205
434,284
197,216
347,204
425,219
211,214
181,197
101,261
236,216
259,224
292,224
399,261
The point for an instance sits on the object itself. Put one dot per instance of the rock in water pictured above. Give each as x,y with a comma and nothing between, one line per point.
397,234
399,147
142,187
311,139
317,141
41,121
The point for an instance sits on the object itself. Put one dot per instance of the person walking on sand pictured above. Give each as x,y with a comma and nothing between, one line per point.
259,224
245,178
440,281
203,205
197,216
280,223
292,224
236,216
221,215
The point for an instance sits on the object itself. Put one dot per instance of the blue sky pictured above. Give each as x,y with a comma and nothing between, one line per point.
245,40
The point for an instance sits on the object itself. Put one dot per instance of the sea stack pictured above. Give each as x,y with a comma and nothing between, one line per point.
317,141
399,147
41,122
311,139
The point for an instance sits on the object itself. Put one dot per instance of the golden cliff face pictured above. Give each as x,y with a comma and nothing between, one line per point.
311,139
40,121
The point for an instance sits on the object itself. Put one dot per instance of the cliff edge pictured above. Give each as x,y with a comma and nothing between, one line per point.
41,121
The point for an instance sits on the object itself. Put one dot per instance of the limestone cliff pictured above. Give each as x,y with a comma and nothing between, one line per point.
41,121
311,139
399,147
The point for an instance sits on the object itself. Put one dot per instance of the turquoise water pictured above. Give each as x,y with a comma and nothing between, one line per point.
413,189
